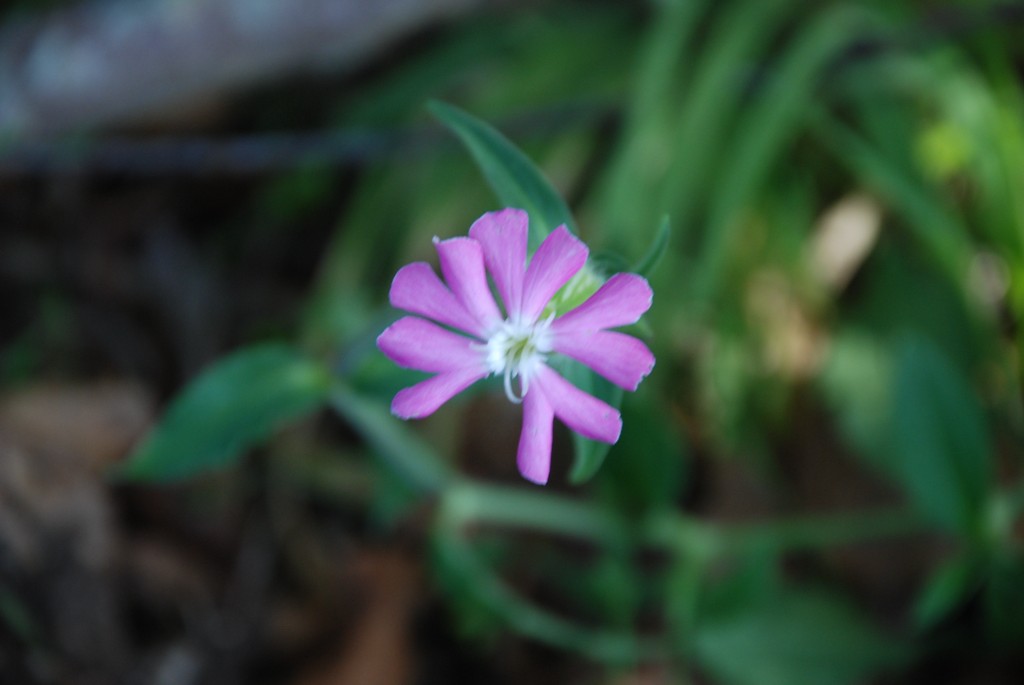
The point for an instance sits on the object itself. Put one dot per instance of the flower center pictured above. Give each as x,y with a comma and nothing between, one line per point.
516,350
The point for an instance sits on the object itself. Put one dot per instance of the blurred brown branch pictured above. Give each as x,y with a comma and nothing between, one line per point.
109,62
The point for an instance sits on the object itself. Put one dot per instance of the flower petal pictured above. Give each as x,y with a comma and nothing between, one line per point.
503,236
534,454
462,263
585,414
621,358
556,261
418,290
416,343
424,398
621,301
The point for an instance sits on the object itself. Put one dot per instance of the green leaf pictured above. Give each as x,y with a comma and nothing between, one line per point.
654,253
795,639
706,126
515,179
235,404
761,135
651,117
941,446
650,467
927,214
589,454
857,380
1004,601
749,580
947,587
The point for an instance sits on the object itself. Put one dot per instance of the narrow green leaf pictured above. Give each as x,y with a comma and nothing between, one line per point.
663,71
650,469
763,132
948,586
856,381
927,214
941,446
589,454
396,444
233,405
1004,600
795,639
515,179
654,253
711,103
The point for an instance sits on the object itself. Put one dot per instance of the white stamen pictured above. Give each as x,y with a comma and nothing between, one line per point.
516,350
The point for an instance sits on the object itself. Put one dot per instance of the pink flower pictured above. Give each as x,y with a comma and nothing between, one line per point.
516,343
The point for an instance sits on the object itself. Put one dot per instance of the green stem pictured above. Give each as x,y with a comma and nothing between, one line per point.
468,504
464,504
527,618
399,447
824,531
534,510
472,503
